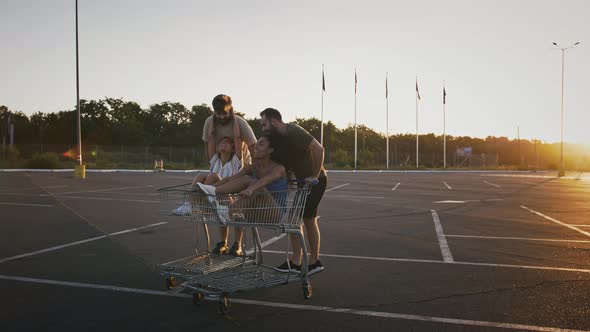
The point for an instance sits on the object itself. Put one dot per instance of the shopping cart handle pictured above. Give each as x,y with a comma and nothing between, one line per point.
302,181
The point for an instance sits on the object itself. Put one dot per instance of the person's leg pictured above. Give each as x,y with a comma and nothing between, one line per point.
313,237
234,186
200,178
239,235
211,179
297,250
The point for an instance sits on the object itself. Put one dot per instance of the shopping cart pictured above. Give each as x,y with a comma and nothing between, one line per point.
214,277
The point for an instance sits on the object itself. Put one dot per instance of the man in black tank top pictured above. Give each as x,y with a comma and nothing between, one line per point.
303,155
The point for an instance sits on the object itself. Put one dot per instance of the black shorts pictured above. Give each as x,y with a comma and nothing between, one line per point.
314,198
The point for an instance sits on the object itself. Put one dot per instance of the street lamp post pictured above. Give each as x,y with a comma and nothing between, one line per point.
561,165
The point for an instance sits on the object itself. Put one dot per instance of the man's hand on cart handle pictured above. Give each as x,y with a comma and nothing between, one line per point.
310,180
246,192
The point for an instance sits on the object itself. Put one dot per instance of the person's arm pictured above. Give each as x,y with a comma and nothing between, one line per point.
237,139
276,173
247,135
211,146
244,171
317,155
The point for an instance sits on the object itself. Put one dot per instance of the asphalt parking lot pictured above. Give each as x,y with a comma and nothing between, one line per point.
404,251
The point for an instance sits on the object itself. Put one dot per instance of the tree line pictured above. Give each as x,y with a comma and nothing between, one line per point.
115,121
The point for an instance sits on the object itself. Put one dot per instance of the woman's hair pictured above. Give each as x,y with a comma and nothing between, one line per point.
276,155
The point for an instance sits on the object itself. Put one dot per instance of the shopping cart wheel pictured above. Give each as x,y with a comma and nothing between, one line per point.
171,282
197,298
224,306
307,290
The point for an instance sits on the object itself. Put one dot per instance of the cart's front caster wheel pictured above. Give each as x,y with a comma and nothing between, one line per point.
224,306
171,282
307,291
197,298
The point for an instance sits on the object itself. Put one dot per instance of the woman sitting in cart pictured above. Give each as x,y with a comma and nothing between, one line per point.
262,185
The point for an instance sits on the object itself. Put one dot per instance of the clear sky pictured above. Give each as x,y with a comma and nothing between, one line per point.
495,57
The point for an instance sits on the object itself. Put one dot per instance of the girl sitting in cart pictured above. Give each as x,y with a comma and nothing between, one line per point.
225,160
262,185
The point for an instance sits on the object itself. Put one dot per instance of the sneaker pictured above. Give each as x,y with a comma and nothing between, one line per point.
315,267
221,248
236,250
184,210
285,267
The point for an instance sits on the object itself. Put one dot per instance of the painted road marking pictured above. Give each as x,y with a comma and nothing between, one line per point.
515,238
3,260
431,261
446,184
335,310
556,221
109,199
492,184
528,182
397,185
469,201
442,241
340,186
101,190
579,225
267,243
23,204
349,196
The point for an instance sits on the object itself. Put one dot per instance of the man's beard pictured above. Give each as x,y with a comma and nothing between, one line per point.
273,131
225,121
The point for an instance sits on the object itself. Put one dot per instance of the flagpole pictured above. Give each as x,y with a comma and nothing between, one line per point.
355,129
322,113
444,127
386,122
417,149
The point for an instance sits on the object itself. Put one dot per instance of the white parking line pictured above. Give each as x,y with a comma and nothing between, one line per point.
109,199
469,201
528,182
442,241
397,185
3,260
334,310
101,190
23,204
579,225
431,261
350,196
515,238
267,243
556,221
340,186
492,184
446,184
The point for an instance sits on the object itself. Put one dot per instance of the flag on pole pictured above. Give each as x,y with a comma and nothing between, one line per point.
417,91
444,95
323,80
355,82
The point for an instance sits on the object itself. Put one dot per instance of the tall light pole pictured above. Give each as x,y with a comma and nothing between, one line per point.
78,92
561,165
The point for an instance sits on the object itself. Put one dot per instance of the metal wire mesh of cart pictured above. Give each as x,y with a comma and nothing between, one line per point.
202,264
276,209
176,201
244,278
